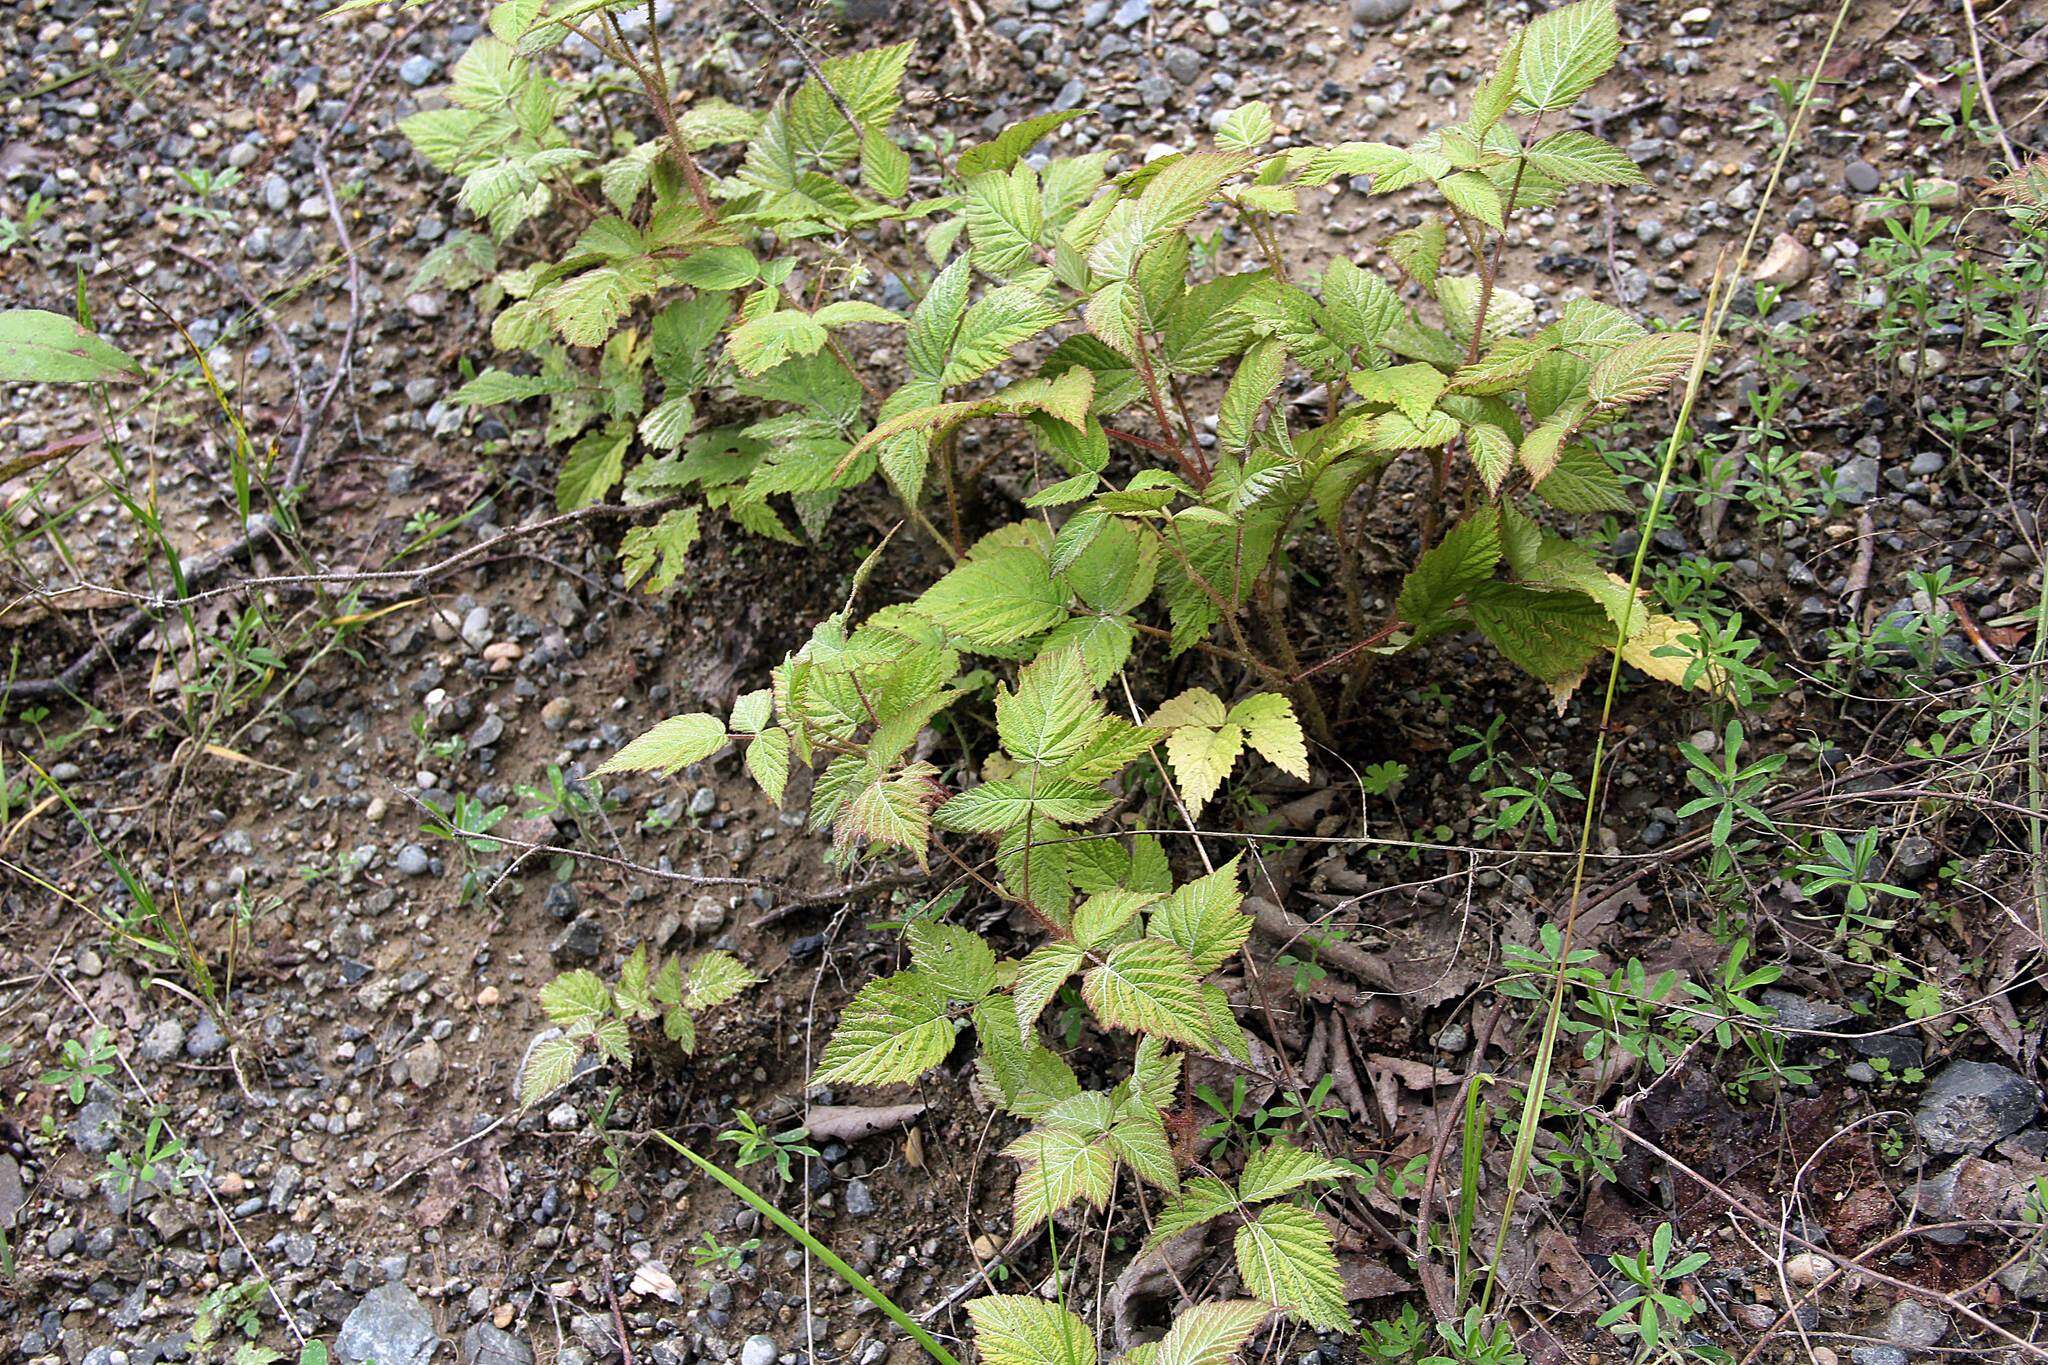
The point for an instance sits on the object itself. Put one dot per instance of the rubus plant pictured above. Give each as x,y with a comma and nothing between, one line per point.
592,1016
699,311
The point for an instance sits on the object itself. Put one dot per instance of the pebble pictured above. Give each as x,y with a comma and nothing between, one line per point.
390,1327
412,861
417,70
1379,11
1861,176
206,1040
760,1349
1915,1326
1971,1105
860,1201
1807,1268
163,1042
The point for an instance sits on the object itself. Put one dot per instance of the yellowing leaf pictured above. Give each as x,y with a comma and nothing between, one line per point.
1201,758
1269,726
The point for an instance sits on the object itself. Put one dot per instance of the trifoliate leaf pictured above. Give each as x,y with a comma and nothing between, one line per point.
1061,1166
768,761
1196,706
1052,712
578,1001
1100,919
760,344
675,743
593,467
1413,389
1269,726
1246,128
1008,802
997,597
1008,147
1141,1141
659,553
895,1029
1579,158
1255,380
1200,1199
1285,1257
1641,368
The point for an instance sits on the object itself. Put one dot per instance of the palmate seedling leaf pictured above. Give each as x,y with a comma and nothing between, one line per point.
1202,917
1448,570
895,1029
1269,726
1211,1333
1286,1258
1061,1165
48,348
1021,1329
673,744
1279,1168
1148,986
1565,51
714,978
659,553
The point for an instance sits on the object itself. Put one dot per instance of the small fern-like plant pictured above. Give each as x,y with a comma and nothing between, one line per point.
590,1016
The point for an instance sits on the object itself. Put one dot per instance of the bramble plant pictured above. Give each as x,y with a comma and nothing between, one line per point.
703,351
593,1016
